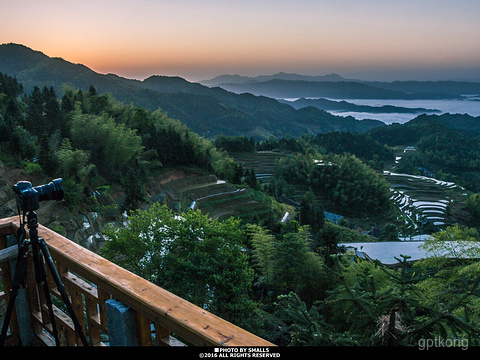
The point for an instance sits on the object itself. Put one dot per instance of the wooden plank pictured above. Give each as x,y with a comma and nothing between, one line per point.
88,290
76,301
162,336
9,253
8,227
92,312
163,307
103,296
144,332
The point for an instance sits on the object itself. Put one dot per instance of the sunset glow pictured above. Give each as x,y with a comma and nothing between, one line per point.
201,39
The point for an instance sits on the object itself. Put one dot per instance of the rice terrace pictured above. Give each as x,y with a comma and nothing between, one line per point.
416,199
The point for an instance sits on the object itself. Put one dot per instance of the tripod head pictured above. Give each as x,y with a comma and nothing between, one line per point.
28,197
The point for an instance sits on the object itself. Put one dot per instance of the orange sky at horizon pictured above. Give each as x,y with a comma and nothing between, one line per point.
199,40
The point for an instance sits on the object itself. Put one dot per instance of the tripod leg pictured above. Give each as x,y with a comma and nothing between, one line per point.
19,275
61,289
41,279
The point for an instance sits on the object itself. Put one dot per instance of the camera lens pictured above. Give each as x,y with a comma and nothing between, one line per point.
51,191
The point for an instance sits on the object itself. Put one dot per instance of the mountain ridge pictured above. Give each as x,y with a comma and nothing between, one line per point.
209,111
344,106
426,89
239,79
284,89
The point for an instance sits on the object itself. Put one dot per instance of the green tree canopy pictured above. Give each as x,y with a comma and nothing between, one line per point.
195,257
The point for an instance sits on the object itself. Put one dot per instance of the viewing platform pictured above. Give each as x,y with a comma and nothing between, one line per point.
113,305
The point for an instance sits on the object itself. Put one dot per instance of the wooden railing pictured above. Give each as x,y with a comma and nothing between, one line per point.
90,280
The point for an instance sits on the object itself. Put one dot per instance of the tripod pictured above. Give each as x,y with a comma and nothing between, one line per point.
38,245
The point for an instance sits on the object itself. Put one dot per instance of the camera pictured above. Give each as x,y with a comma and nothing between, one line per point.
29,197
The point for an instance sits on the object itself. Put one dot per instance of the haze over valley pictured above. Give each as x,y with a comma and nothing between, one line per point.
396,101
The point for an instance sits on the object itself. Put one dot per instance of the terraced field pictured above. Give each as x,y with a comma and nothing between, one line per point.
423,199
262,163
216,197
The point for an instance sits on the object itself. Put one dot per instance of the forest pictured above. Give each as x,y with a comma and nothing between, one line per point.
288,282
89,139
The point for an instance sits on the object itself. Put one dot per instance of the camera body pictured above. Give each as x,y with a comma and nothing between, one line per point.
29,197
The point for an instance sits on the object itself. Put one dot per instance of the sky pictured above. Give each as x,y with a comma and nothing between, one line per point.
200,39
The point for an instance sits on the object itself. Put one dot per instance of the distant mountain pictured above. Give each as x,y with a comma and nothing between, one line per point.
290,89
237,79
207,111
425,87
344,106
334,86
463,122
227,79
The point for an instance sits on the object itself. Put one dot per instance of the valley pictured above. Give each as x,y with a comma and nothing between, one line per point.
210,109
280,195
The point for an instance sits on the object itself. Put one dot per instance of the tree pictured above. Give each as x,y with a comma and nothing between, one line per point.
133,184
74,168
24,143
73,164
344,181
311,213
328,239
251,178
454,284
308,327
111,145
35,112
286,262
402,306
455,242
53,116
473,206
389,233
289,260
195,257
263,243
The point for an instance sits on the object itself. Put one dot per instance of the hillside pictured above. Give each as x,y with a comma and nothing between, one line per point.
113,159
206,111
422,125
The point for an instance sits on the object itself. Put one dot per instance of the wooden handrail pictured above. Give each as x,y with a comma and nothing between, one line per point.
88,276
